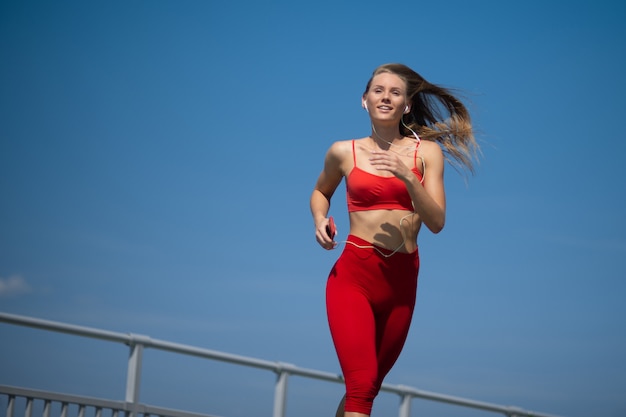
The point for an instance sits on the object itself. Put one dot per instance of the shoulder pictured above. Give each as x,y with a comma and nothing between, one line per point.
341,149
431,149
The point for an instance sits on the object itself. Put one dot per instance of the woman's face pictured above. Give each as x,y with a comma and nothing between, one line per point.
386,97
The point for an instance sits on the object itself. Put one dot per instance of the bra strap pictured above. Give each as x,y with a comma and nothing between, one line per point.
353,153
423,163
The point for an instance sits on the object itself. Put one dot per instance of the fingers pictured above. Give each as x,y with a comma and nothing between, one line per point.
379,156
385,161
321,234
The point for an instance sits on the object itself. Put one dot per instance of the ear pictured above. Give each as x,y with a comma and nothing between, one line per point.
364,104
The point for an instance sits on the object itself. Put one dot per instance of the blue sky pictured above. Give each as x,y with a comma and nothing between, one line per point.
156,161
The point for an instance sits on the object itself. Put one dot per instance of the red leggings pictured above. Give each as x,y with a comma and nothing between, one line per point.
369,301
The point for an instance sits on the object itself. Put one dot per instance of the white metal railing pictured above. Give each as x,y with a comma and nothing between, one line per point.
97,406
138,342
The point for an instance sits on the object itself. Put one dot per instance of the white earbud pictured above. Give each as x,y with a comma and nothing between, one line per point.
406,109
365,106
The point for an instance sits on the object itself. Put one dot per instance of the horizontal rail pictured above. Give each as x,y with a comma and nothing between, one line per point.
95,402
449,399
277,367
146,341
63,327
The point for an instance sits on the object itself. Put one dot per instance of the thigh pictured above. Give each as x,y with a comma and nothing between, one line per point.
392,333
352,326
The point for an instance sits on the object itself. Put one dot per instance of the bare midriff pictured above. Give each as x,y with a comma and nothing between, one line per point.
387,228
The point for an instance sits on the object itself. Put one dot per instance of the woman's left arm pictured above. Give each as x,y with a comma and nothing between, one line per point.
429,197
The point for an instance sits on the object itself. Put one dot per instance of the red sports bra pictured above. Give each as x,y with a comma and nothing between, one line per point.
366,191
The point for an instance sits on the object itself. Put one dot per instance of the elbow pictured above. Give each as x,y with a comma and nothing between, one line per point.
436,226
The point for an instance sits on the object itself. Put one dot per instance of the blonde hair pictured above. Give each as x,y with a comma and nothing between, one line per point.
436,114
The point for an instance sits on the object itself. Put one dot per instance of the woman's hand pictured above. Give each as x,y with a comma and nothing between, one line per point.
321,234
389,161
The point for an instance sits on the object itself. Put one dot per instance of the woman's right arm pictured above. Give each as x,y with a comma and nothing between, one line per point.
327,183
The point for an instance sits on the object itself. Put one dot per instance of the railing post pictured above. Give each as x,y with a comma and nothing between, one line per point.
280,393
29,407
133,376
11,406
46,408
405,405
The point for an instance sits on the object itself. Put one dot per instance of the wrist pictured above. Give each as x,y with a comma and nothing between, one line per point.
317,219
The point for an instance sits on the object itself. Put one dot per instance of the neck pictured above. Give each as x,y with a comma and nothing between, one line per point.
386,134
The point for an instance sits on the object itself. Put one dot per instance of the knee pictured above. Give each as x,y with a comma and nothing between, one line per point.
361,390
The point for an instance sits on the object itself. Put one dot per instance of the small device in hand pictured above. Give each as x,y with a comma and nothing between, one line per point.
331,229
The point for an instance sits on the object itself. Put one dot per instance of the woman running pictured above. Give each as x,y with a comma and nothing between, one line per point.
394,183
